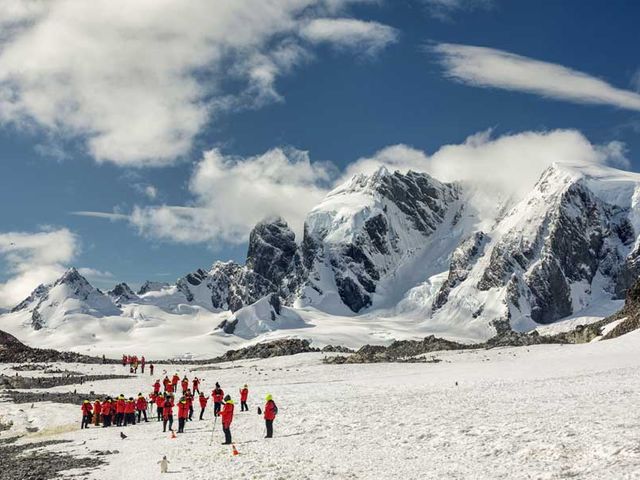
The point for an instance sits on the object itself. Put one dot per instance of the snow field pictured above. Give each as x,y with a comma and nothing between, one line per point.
544,412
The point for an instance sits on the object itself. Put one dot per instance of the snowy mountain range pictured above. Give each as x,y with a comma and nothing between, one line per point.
392,255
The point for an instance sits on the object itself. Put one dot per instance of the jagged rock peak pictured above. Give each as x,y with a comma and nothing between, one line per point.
272,249
150,286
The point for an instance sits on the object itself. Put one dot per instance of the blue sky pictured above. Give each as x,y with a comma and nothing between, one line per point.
95,119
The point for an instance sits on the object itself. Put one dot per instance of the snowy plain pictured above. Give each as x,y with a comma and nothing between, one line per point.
543,412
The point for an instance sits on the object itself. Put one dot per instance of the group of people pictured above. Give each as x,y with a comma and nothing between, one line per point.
122,412
134,362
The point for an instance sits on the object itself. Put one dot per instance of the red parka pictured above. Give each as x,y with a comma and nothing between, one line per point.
97,406
183,409
106,408
227,414
167,410
141,403
120,404
185,385
203,401
218,395
86,408
196,384
244,394
130,407
160,401
156,387
270,410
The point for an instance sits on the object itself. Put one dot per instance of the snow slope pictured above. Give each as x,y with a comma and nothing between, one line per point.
544,412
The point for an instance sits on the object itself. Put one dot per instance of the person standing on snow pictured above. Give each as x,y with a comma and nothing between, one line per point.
120,404
174,381
106,412
142,364
217,395
141,407
130,412
196,385
185,385
167,414
244,395
151,369
189,399
97,408
183,413
156,387
159,405
226,415
166,382
270,412
203,404
86,409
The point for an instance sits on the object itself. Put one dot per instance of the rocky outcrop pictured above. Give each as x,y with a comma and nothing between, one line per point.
276,348
462,259
364,229
628,316
150,286
122,294
13,350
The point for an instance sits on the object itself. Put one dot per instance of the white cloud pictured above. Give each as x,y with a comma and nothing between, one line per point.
137,81
32,259
93,274
445,9
508,165
488,67
232,194
368,37
105,215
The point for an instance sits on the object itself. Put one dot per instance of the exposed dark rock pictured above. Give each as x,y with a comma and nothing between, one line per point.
18,381
72,398
150,286
272,250
13,350
30,462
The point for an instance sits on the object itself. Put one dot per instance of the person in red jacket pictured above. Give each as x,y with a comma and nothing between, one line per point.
86,409
120,404
170,388
217,395
196,385
141,407
166,382
106,412
270,412
203,404
156,387
159,405
130,412
167,414
226,415
185,385
183,414
189,398
97,408
244,394
174,381
142,363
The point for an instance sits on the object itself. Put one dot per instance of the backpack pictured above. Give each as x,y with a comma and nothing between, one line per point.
275,407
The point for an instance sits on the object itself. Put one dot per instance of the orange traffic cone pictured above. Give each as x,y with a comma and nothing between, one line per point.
234,451
173,434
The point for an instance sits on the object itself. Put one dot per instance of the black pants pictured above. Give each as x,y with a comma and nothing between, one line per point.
142,413
201,413
86,421
269,424
216,408
129,419
160,413
190,412
181,422
168,420
227,435
243,406
106,420
119,418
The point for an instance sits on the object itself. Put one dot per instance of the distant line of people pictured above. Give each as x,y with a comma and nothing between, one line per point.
134,363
